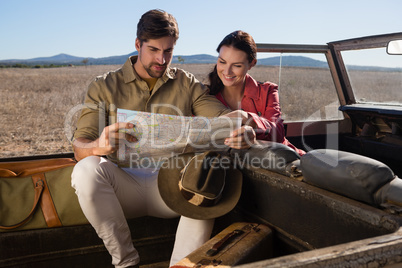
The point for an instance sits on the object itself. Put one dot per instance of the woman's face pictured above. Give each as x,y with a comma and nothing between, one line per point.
232,66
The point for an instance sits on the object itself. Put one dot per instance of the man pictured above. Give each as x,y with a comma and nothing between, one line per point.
109,194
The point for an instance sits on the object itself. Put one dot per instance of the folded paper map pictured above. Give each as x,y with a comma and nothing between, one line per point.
161,136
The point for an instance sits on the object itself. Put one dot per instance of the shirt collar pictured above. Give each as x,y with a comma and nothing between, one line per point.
251,88
130,74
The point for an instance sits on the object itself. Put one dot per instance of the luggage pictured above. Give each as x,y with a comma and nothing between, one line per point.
237,244
38,194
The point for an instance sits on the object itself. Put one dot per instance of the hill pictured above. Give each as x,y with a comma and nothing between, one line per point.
293,61
65,59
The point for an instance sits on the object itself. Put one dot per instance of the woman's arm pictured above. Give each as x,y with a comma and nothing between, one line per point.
266,113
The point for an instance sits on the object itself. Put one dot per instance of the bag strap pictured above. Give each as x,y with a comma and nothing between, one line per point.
39,186
46,203
30,167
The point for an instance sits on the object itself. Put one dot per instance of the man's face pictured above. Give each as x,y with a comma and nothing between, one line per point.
154,56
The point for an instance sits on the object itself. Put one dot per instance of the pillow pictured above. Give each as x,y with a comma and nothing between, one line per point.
390,193
349,174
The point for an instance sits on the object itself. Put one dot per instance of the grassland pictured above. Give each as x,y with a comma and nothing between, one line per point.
34,105
36,102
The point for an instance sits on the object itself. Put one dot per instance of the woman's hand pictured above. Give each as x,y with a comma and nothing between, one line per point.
241,138
246,118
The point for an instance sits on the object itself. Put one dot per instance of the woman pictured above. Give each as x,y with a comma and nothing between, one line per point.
235,88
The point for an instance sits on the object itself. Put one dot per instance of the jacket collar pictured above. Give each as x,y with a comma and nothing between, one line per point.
130,74
251,88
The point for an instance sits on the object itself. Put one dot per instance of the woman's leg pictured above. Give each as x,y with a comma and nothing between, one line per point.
190,235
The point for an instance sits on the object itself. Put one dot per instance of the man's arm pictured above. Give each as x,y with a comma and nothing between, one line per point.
209,106
107,143
83,147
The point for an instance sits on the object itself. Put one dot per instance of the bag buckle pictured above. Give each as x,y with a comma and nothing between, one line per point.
39,183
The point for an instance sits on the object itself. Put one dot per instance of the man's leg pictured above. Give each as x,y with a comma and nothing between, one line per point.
104,192
190,235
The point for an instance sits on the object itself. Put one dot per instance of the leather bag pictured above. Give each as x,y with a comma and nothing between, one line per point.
38,194
239,243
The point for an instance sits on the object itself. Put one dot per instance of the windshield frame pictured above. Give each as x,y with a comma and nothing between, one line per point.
303,48
369,42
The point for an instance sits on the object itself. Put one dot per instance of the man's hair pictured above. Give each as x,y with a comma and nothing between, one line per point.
156,24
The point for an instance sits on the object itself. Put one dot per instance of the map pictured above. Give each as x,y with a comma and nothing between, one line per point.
161,136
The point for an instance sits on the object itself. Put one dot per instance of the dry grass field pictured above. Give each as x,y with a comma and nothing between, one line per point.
34,105
36,102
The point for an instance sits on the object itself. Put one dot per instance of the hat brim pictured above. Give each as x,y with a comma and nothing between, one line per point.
168,183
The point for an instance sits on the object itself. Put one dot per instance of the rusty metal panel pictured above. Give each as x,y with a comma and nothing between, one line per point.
373,252
313,215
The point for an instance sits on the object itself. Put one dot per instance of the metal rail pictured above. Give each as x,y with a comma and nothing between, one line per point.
292,48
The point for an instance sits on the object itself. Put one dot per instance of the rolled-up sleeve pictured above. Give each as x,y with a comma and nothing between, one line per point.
93,116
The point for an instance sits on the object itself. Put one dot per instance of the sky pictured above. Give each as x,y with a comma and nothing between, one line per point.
89,28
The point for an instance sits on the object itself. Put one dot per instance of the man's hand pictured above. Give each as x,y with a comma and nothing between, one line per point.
112,136
241,138
108,142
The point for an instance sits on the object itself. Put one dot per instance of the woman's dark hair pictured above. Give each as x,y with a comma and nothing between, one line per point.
240,40
156,24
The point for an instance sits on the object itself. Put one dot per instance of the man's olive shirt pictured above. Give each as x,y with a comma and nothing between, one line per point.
177,92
